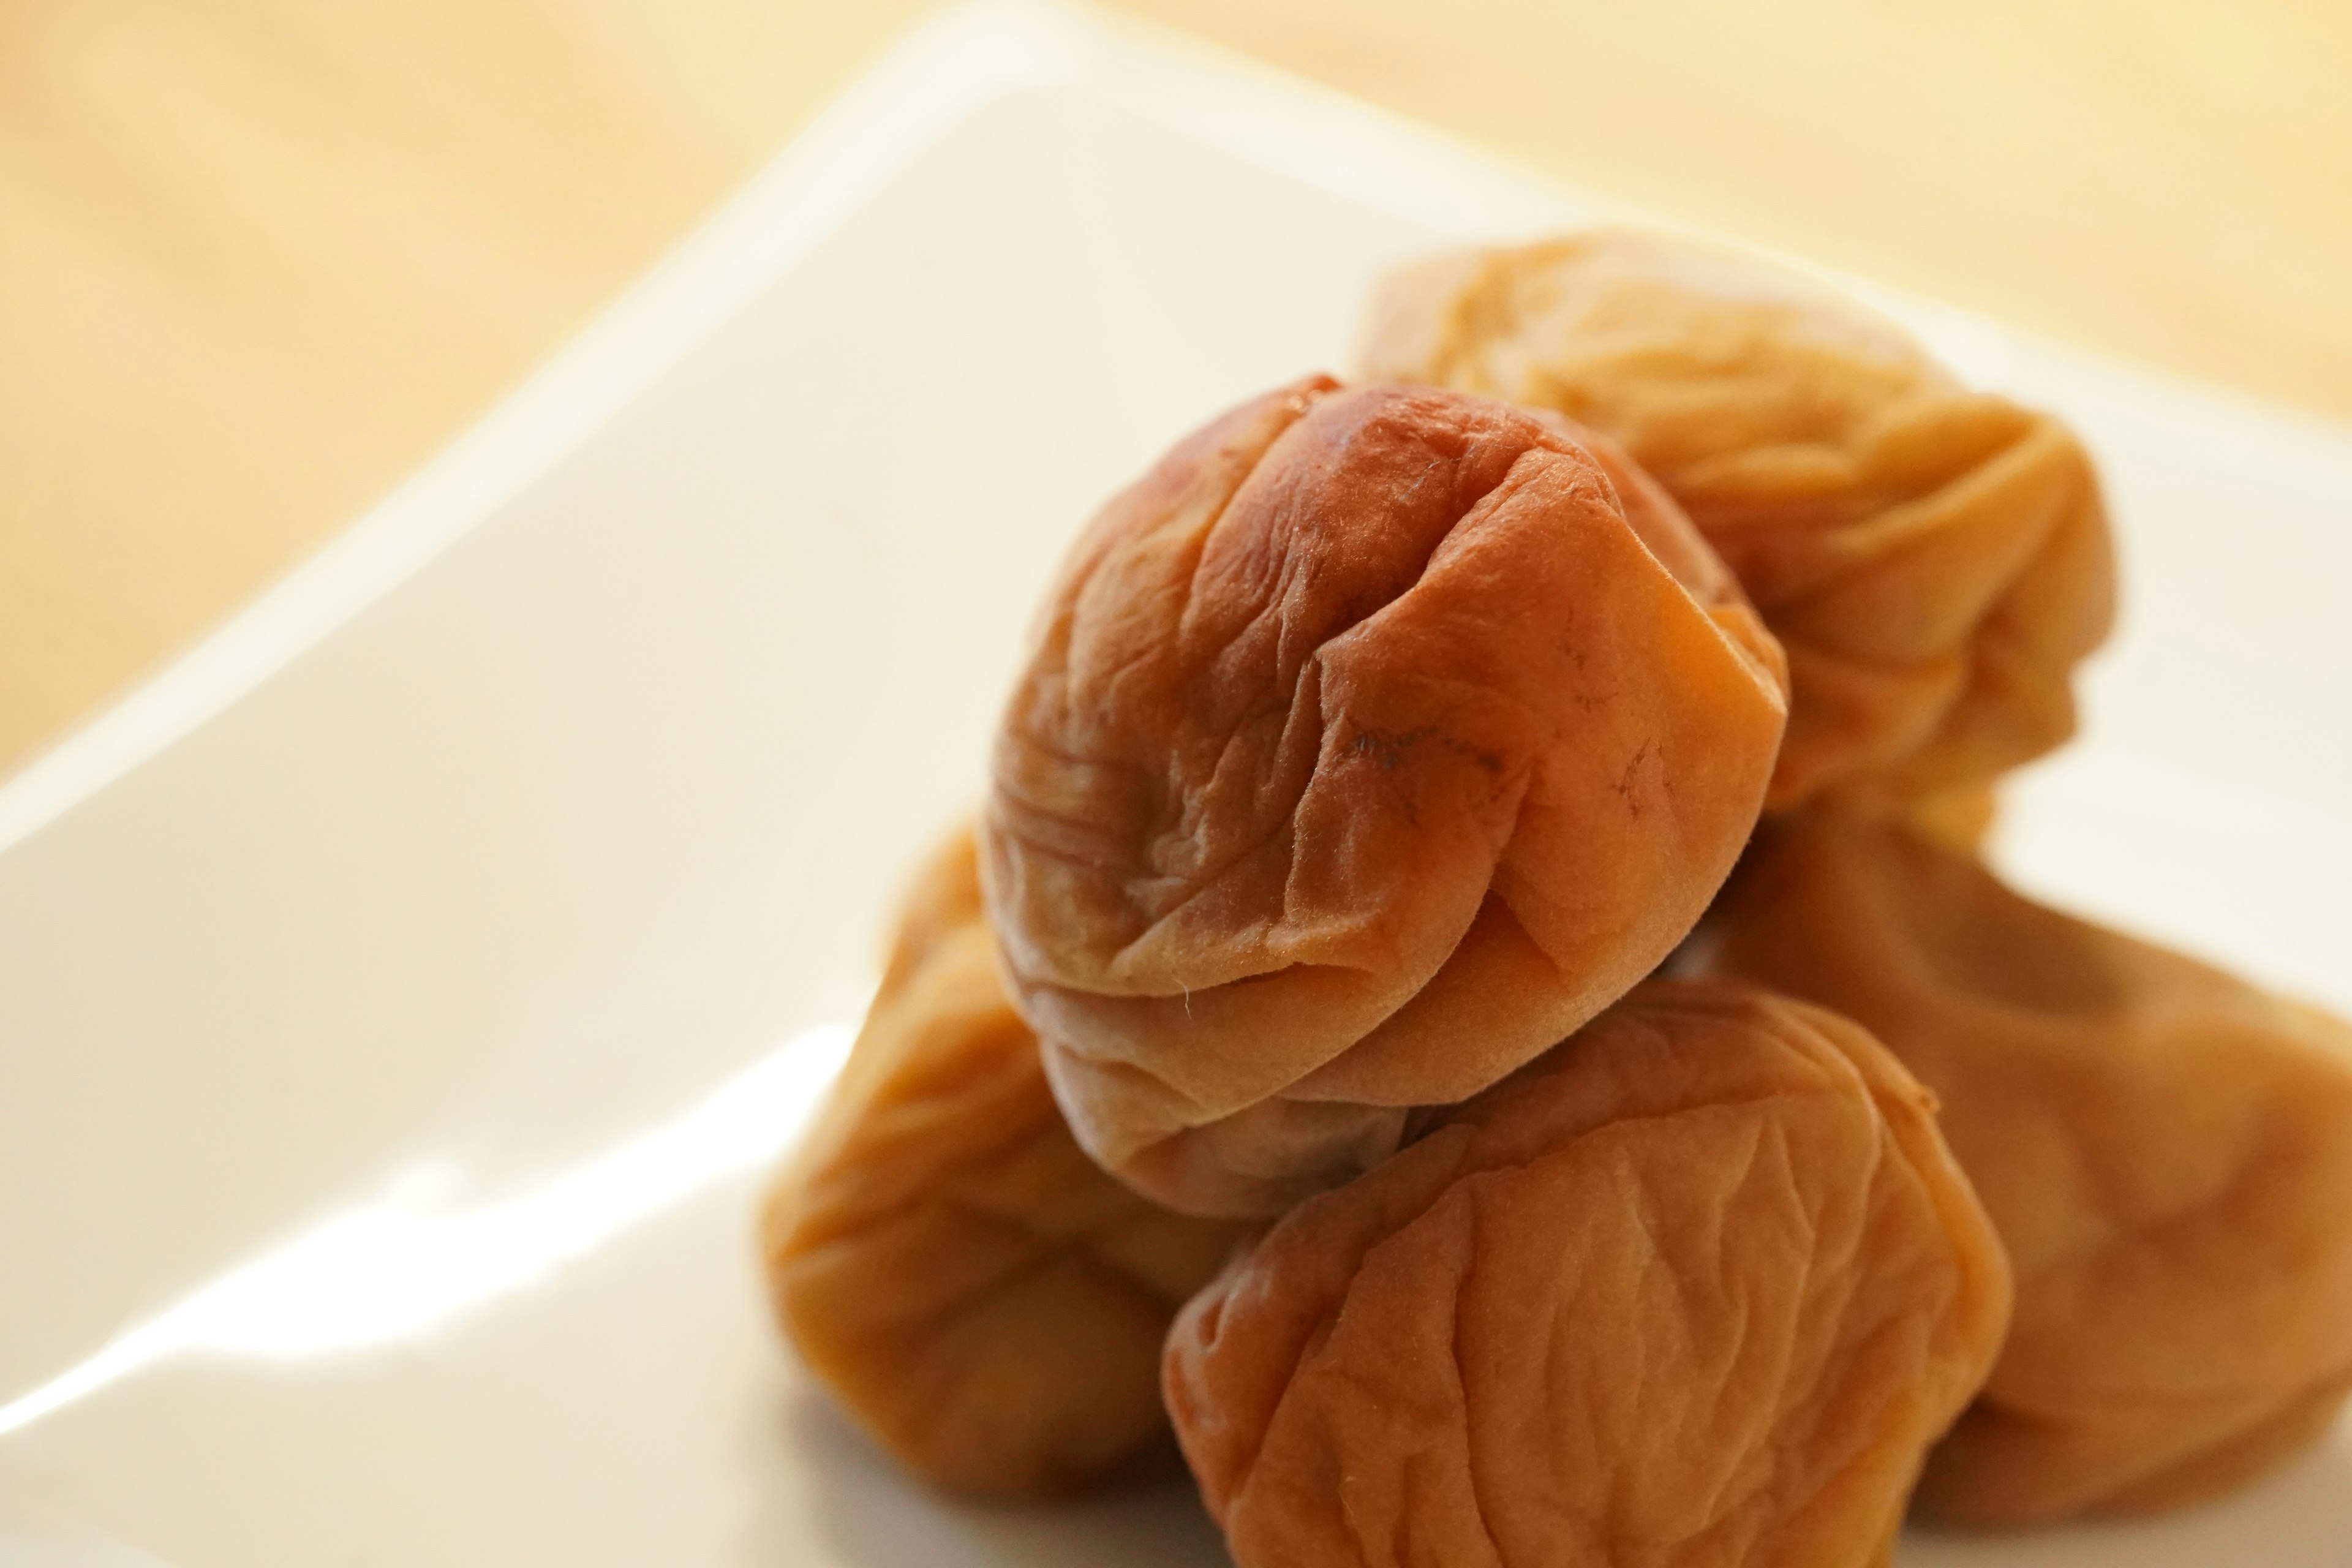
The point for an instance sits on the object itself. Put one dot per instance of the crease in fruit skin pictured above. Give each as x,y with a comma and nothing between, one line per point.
1350,753
1279,1374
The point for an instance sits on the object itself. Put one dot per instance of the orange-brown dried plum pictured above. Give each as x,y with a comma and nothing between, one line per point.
1695,1290
1934,561
977,1295
1366,748
2166,1150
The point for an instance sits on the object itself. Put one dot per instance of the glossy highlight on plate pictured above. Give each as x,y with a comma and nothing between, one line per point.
395,1269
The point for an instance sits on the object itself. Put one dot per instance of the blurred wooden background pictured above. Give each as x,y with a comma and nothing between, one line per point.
260,257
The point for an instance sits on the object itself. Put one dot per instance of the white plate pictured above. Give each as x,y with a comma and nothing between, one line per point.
401,998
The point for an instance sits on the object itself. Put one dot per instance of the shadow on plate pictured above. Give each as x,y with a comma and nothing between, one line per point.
862,1513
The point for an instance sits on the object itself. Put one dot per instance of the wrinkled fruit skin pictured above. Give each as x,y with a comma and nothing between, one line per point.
978,1296
1365,750
1934,561
2166,1152
1695,1290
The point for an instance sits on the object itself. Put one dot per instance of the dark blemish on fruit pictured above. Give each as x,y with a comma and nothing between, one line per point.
1625,786
1386,748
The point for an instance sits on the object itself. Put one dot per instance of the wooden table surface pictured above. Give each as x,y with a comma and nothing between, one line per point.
261,257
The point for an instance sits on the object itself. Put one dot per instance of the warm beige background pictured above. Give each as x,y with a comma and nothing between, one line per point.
258,257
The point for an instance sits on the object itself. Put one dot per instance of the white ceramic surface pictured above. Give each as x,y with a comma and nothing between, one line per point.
401,998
